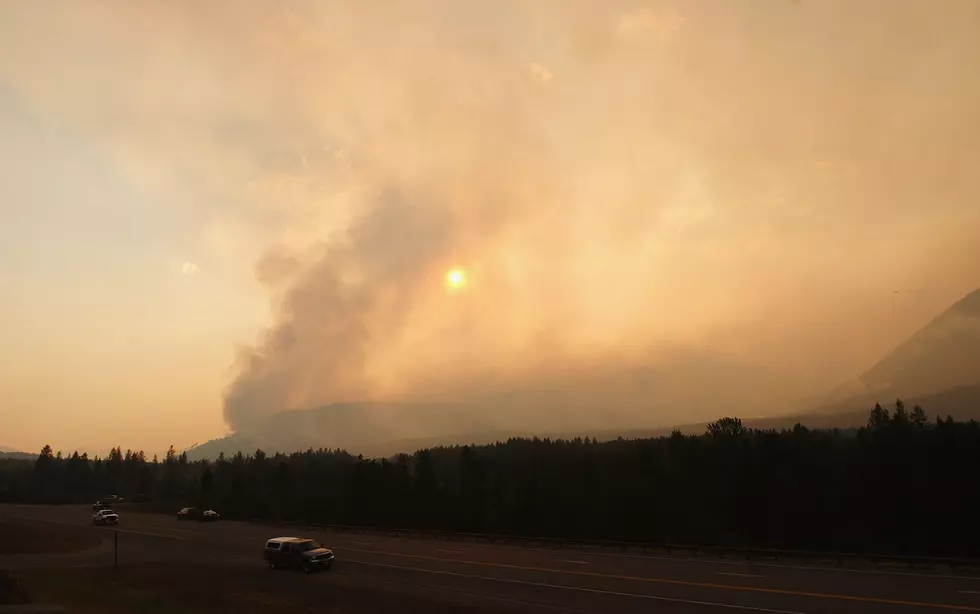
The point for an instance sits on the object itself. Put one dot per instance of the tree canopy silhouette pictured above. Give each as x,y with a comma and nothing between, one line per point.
901,484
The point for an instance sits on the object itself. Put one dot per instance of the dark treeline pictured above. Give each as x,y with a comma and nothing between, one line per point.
902,484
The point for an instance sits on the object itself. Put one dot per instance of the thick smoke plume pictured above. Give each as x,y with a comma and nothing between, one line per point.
666,211
641,195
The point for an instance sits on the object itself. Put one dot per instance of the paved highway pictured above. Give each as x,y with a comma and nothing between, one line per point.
520,579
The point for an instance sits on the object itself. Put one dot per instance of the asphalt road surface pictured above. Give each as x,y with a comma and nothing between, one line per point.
524,579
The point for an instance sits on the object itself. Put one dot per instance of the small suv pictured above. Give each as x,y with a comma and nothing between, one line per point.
297,553
105,517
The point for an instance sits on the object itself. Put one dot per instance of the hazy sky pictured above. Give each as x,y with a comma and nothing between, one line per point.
215,209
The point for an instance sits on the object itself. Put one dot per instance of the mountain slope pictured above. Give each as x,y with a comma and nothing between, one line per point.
684,387
939,367
10,454
943,355
938,364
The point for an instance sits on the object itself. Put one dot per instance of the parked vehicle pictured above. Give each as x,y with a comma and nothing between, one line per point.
297,553
209,516
105,517
100,505
188,513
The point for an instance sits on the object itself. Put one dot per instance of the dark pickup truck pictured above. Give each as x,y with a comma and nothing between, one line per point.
297,553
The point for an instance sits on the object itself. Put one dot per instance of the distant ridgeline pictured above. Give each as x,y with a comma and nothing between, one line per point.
900,483
10,455
935,367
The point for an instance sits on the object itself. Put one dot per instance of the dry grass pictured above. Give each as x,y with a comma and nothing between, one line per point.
18,538
196,587
172,588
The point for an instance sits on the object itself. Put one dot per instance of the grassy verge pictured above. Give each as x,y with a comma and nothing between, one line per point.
169,588
16,538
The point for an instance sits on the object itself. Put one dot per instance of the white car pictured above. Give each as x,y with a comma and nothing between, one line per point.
105,517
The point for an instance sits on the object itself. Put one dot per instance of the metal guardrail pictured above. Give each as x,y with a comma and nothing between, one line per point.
678,550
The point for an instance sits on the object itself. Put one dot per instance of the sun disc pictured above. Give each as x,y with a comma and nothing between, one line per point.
456,278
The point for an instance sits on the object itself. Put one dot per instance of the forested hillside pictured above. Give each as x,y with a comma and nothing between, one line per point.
901,484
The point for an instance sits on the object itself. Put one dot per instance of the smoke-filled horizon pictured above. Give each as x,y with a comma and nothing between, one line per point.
652,208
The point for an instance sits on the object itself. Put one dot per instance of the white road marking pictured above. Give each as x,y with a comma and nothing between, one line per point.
362,543
176,530
449,551
740,575
681,559
970,592
572,562
147,533
580,589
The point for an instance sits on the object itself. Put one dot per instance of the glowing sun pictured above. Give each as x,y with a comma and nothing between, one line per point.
455,278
